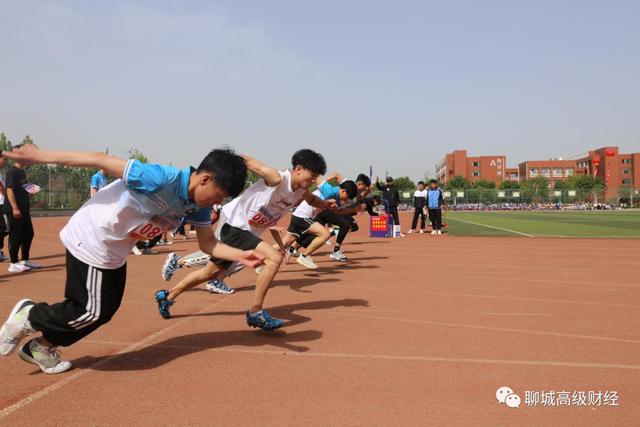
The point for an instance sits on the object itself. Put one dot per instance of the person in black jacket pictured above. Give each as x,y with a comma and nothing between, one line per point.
419,205
435,203
391,197
17,215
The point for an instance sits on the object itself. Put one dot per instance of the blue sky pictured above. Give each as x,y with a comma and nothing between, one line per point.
392,84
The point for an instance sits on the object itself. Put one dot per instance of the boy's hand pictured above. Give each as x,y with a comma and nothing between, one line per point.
331,204
251,259
16,213
27,154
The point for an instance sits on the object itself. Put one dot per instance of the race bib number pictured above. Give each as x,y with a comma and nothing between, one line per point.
263,219
153,228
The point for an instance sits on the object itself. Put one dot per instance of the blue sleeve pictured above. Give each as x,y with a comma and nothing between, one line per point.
94,181
149,177
201,217
329,191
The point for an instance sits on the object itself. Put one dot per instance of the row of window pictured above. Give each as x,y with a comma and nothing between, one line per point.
548,172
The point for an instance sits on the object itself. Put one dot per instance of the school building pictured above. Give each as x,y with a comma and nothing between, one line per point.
491,168
616,170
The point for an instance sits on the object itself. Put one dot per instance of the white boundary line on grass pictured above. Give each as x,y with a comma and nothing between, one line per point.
491,226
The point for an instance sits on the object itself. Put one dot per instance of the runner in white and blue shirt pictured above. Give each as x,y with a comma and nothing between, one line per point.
148,200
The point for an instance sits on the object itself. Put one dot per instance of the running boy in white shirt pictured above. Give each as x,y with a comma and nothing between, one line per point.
146,201
244,220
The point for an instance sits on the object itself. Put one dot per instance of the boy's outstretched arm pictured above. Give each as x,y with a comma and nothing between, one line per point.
270,175
30,154
317,202
210,245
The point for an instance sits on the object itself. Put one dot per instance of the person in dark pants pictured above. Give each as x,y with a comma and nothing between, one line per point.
391,196
17,215
146,200
435,202
419,205
3,225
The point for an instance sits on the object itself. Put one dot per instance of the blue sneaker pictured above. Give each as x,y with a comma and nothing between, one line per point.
219,287
164,303
263,320
170,266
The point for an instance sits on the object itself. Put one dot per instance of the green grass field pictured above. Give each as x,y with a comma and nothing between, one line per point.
598,224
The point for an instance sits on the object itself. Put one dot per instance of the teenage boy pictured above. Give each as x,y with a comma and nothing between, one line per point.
419,205
244,220
147,200
309,227
435,203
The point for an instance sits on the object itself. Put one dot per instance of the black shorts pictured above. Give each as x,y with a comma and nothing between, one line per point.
299,226
236,238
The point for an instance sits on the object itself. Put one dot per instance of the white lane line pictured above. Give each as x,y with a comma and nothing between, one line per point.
516,314
393,357
66,380
488,328
491,226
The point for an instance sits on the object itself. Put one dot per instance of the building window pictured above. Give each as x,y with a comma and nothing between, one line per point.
476,164
557,172
626,171
476,173
533,172
627,161
626,182
568,172
546,172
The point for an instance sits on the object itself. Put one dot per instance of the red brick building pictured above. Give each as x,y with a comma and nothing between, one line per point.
553,170
615,169
491,168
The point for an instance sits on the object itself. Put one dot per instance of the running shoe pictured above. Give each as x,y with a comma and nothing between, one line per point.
45,357
338,256
164,303
16,328
263,320
18,268
306,261
171,265
219,287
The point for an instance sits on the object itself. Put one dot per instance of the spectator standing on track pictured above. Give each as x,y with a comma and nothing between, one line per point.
17,215
391,196
435,202
3,226
419,204
98,180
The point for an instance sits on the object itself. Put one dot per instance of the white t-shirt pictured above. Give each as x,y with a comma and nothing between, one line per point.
150,200
419,193
261,206
305,210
